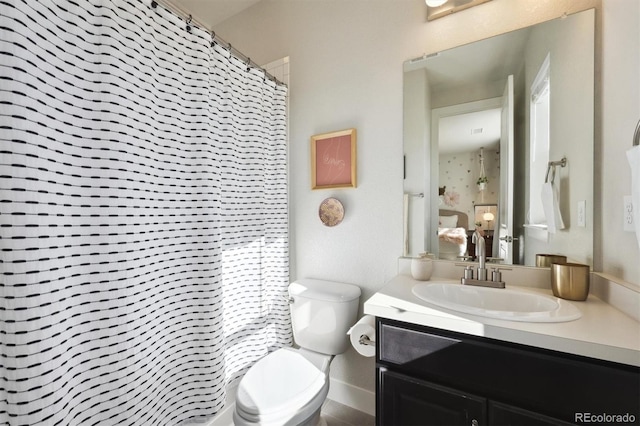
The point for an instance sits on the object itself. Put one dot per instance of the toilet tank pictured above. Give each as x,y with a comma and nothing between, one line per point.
321,314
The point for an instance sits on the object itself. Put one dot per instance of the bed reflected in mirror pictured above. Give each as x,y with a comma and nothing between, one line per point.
453,228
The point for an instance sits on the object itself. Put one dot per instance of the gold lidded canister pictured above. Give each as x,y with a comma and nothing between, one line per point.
570,281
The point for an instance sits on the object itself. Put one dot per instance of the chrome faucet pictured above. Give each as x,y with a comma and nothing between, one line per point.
481,255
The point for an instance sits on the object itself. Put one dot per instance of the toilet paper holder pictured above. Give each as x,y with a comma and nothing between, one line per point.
365,340
363,336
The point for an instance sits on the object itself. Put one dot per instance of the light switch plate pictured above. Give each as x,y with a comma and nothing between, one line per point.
629,226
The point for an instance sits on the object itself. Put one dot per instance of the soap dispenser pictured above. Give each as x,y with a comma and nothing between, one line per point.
422,267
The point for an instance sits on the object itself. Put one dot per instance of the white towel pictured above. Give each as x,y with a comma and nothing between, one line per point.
551,208
633,155
405,223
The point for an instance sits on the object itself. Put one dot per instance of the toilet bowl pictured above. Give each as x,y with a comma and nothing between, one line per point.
289,386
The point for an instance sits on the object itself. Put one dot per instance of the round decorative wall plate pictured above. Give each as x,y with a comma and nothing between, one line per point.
331,212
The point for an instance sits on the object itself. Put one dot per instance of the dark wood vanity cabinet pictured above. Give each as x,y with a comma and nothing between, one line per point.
427,376
404,400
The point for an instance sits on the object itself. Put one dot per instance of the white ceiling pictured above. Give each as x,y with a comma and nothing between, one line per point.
469,132
211,12
479,62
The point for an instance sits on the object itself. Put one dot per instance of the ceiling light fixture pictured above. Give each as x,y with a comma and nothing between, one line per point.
440,8
435,3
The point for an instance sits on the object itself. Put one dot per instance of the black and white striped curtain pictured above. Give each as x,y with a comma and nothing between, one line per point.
143,215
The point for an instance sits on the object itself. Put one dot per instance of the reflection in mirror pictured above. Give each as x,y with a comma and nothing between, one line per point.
481,124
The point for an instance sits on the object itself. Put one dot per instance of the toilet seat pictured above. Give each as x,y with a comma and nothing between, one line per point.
280,385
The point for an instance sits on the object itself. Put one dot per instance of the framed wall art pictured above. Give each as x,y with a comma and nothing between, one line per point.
333,160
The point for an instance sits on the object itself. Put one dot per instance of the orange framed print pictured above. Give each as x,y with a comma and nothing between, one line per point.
333,160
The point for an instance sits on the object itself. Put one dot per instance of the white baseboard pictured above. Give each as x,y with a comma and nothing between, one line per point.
352,396
224,417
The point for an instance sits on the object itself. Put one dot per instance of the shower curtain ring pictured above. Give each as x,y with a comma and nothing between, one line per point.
188,28
248,63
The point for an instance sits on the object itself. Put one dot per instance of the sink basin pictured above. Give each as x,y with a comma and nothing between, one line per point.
506,304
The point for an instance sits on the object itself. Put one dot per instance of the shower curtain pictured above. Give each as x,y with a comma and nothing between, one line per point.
143,215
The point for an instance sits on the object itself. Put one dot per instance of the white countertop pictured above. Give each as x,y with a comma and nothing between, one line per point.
603,332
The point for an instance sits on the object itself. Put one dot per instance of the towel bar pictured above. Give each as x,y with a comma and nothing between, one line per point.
552,165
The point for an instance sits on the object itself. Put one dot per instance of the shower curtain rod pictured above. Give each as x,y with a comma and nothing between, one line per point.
189,21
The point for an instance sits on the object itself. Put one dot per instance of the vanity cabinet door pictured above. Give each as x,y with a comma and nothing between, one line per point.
407,401
508,415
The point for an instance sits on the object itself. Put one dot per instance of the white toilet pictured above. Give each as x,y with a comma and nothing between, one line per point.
288,386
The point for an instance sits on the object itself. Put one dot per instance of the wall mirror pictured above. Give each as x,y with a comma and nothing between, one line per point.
482,124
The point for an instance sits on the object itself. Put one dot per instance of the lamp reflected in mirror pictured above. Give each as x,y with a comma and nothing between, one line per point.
488,217
484,216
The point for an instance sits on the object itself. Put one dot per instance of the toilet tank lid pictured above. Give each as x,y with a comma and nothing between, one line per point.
324,290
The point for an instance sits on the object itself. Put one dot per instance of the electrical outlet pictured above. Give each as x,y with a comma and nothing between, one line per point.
582,213
628,214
